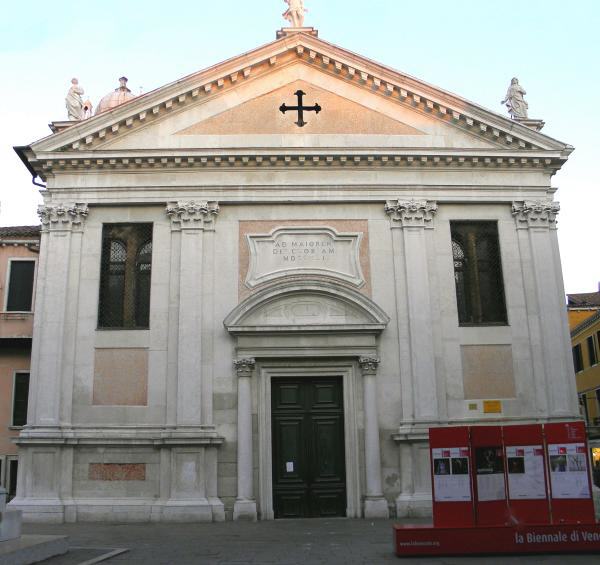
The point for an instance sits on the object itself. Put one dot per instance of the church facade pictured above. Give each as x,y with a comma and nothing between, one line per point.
259,287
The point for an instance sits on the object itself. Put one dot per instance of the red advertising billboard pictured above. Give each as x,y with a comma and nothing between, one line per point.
451,477
570,483
526,474
489,482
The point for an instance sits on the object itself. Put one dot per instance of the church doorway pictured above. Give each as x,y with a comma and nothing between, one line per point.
309,469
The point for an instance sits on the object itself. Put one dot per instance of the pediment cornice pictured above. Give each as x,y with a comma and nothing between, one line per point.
90,135
125,160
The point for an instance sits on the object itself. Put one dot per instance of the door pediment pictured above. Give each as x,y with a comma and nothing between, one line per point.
306,308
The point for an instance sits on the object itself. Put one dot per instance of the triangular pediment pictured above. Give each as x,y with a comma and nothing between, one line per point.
337,115
236,105
248,115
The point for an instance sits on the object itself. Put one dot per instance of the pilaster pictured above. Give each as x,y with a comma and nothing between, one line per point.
55,320
189,221
536,222
375,503
245,504
409,221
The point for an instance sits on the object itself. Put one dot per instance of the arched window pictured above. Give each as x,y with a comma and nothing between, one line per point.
125,276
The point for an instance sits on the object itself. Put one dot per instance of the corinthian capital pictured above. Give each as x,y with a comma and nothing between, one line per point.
244,367
192,215
535,213
368,365
62,216
412,213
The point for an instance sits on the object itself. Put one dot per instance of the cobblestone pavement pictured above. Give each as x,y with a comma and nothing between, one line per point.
286,542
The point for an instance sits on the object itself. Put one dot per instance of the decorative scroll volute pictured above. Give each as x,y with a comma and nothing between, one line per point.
62,216
193,215
244,367
535,214
412,213
368,365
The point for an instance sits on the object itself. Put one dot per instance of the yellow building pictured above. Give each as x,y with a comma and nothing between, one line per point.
584,319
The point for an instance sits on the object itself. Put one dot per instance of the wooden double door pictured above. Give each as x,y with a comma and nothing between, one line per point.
309,470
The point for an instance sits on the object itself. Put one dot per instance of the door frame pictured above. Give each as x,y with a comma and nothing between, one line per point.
266,371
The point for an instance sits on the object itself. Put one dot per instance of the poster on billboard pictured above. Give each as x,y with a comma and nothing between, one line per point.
525,465
490,473
568,470
451,479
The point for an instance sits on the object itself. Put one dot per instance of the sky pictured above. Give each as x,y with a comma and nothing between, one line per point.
469,47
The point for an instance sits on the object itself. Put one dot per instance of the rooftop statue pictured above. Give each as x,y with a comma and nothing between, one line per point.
74,102
295,12
517,107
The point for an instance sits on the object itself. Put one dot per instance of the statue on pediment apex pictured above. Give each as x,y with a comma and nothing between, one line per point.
295,12
74,102
515,101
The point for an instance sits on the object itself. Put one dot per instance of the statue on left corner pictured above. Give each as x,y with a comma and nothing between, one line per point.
295,12
74,102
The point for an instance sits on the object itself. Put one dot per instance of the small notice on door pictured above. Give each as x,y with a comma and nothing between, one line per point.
568,471
526,480
289,466
451,474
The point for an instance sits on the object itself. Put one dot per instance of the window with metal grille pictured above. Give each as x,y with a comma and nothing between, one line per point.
577,358
125,276
593,358
20,399
478,273
20,286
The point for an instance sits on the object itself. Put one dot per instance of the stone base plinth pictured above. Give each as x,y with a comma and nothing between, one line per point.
32,549
245,510
123,511
414,506
10,524
188,511
376,508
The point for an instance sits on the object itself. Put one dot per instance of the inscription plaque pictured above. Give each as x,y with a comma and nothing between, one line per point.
304,251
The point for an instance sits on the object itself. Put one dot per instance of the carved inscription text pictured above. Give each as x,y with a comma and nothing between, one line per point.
315,251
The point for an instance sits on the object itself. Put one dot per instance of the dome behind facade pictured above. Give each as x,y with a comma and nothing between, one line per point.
116,98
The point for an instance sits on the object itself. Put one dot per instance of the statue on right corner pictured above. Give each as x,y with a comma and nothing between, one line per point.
515,101
295,12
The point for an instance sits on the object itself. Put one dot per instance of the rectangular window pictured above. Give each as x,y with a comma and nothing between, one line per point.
13,471
478,273
593,358
584,407
20,286
20,399
125,276
577,358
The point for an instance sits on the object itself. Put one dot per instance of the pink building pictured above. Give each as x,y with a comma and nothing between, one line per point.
19,250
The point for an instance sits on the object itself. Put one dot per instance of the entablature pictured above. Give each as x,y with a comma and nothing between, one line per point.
50,163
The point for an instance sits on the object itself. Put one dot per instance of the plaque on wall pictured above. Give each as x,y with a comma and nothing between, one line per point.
304,251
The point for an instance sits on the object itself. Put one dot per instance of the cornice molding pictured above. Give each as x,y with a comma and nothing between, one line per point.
412,213
192,215
62,216
227,159
535,214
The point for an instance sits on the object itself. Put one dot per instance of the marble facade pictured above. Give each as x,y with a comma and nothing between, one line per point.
234,189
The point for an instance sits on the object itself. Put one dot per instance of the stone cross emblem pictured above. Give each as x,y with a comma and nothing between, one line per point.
300,109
